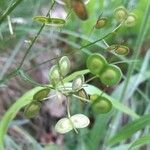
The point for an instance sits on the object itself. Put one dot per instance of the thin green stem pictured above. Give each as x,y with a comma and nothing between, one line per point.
81,98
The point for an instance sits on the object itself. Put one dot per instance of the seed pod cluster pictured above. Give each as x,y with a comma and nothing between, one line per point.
109,74
119,49
100,104
59,70
122,14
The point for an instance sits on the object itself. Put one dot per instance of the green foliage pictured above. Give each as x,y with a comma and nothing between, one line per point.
130,129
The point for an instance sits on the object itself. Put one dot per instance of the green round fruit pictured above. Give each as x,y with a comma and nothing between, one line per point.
40,95
131,20
96,63
101,23
64,64
122,50
111,75
32,109
121,13
102,105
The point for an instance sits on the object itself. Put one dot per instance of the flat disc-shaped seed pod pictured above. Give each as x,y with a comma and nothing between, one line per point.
40,95
122,50
79,8
63,126
63,2
64,64
80,121
111,75
32,109
131,20
54,74
102,105
96,63
77,83
121,13
102,22
50,21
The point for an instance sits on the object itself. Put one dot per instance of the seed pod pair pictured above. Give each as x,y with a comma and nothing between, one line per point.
65,125
121,14
32,109
109,74
59,70
100,104
119,49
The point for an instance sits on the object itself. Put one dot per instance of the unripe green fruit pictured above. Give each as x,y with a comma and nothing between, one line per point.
64,64
121,13
79,8
102,105
122,50
111,75
101,23
40,95
54,75
32,109
96,63
131,20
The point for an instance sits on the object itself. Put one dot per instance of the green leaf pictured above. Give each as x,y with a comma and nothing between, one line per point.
13,110
129,129
143,140
50,21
